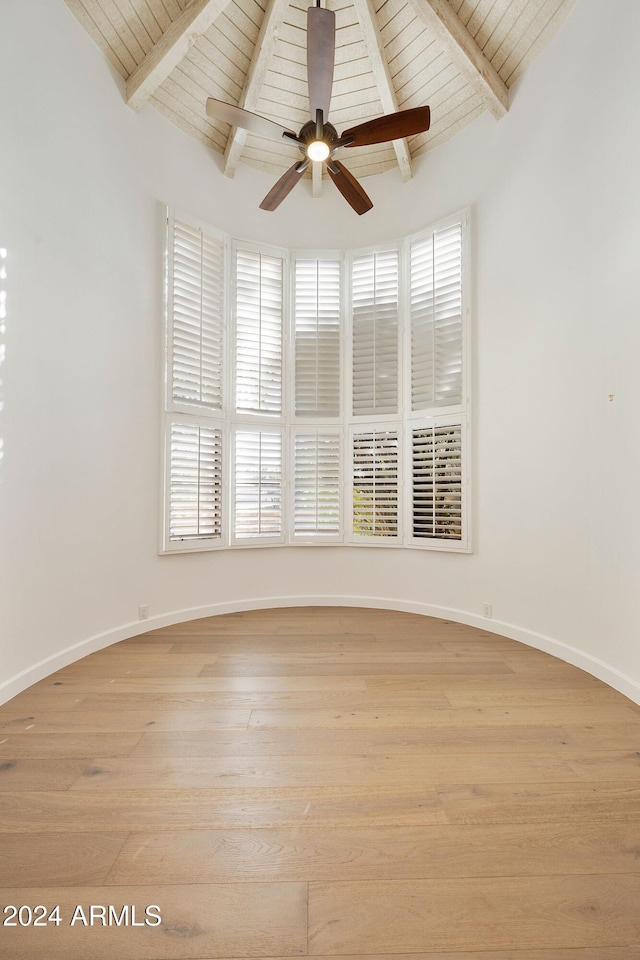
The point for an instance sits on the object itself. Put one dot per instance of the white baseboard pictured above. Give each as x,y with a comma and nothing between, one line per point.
593,665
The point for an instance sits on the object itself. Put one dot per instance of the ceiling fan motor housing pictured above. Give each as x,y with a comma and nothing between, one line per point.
308,133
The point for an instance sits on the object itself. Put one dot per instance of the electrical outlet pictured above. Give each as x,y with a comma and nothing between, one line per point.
487,610
143,611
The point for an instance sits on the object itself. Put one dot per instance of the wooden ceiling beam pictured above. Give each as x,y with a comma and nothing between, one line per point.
171,48
367,17
445,24
265,46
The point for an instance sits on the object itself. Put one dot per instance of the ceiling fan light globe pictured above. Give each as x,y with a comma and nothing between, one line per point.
318,150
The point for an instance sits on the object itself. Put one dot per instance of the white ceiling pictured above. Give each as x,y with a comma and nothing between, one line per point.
461,57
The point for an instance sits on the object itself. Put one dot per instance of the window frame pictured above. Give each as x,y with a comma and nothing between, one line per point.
317,539
348,405
294,418
440,420
264,540
172,405
248,416
376,540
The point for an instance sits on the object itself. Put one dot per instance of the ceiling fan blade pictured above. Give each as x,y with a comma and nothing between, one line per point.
284,186
321,48
349,187
237,117
393,126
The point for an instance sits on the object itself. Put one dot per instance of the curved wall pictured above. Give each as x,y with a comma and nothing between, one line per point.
555,202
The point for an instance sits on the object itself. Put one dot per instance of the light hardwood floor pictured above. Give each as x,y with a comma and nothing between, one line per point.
326,782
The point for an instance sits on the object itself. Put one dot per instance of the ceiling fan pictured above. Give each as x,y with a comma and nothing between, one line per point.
318,140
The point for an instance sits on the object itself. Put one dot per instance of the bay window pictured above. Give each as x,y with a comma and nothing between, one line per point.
316,397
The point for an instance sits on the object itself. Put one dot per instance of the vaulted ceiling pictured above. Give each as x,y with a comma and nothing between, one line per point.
459,56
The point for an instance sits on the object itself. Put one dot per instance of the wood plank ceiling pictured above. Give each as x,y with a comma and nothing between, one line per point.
459,56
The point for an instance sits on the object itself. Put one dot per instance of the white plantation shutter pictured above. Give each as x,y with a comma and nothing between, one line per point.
374,291
436,319
258,483
196,316
316,483
259,286
375,484
437,482
195,482
317,338
261,447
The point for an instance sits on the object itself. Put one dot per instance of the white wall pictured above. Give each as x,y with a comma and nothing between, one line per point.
555,201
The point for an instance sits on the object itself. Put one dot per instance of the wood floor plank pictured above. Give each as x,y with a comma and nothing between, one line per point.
312,622
261,920
52,745
597,737
342,645
166,685
611,765
107,669
241,667
282,645
554,714
532,695
479,914
531,803
150,773
313,742
110,658
88,721
311,699
312,852
38,774
543,666
303,652
53,699
387,683
160,810
581,953
380,653
54,859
